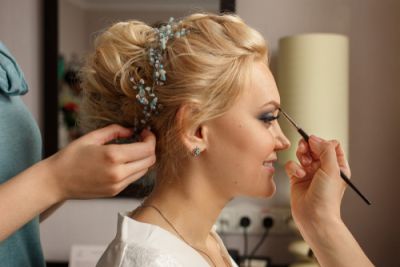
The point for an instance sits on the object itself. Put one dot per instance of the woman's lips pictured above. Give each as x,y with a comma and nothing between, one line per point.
269,166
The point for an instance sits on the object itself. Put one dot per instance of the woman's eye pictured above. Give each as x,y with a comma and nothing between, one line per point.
268,118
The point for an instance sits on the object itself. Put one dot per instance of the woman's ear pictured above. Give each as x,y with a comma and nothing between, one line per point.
192,135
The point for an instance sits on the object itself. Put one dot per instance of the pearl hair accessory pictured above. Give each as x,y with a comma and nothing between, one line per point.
145,93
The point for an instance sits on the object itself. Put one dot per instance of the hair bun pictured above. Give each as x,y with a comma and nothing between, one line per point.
118,62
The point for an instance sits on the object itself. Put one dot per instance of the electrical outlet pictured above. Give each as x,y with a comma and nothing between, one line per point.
228,221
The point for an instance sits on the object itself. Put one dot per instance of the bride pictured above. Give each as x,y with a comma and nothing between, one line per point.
204,87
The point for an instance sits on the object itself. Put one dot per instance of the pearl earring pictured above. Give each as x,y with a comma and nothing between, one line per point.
196,151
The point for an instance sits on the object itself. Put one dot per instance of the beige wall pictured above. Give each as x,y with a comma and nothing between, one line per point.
98,20
20,31
78,25
374,32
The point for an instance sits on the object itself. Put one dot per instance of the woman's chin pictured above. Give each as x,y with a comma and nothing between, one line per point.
257,189
270,192
266,191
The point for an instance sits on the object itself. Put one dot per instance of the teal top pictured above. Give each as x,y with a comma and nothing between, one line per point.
20,147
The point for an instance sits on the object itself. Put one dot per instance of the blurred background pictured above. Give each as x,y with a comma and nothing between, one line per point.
372,121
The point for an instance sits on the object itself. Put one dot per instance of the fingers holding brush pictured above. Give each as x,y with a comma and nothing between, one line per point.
310,159
294,171
306,158
329,154
303,153
341,158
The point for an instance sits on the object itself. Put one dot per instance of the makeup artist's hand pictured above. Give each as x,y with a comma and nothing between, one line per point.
89,169
316,186
316,194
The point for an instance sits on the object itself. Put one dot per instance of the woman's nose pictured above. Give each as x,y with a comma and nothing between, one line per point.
282,142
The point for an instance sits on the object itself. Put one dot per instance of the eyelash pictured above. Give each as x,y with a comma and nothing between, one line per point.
268,118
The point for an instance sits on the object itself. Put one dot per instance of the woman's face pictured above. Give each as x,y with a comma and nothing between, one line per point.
244,141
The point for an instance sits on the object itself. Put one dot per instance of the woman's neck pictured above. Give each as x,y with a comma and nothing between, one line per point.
192,206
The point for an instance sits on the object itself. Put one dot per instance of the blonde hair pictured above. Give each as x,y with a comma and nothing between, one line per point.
206,69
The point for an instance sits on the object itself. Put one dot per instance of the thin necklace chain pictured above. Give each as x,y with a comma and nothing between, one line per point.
179,234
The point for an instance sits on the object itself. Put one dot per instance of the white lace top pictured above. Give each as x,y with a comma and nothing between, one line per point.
140,244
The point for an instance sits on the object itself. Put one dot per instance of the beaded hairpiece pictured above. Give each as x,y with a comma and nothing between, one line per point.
145,93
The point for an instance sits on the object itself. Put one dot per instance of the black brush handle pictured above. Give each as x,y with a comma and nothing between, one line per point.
347,180
304,134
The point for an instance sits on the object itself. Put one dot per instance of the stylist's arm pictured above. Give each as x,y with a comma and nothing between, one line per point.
84,169
316,194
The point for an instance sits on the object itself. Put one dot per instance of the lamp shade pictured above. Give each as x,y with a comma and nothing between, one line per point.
313,77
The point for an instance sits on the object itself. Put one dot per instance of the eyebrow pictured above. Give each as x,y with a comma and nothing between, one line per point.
273,102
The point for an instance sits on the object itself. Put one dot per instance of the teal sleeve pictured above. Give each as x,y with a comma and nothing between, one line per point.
20,148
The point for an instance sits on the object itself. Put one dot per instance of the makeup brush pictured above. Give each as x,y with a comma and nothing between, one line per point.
306,137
